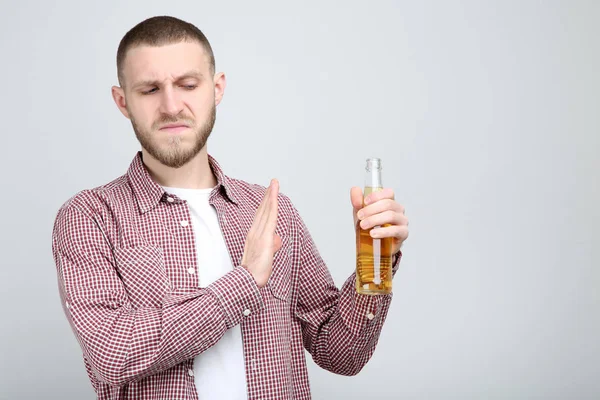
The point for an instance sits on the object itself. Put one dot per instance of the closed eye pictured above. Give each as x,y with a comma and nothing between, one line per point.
153,90
150,91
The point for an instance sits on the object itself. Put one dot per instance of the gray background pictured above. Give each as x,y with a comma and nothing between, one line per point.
486,116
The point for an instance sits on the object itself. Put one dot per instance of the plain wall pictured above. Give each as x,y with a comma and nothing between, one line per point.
486,117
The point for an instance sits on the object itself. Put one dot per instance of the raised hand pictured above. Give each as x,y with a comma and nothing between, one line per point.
262,242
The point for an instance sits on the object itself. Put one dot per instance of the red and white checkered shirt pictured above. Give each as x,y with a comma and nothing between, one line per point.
126,262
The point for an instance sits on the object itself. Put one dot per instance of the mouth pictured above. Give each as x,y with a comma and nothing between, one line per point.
174,128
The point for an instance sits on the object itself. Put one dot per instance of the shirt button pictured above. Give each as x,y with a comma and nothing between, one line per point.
191,270
224,219
190,372
170,199
370,316
67,304
246,312
184,223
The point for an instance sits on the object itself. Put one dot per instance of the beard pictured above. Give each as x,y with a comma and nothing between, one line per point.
175,154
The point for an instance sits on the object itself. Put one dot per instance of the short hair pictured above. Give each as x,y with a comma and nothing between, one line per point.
159,31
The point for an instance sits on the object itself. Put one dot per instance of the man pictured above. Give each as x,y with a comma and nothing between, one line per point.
180,282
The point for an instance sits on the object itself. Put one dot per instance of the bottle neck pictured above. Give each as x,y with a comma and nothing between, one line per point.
373,180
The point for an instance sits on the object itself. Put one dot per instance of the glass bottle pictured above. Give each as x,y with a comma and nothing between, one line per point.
373,256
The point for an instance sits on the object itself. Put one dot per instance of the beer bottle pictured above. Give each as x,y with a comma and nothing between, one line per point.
373,256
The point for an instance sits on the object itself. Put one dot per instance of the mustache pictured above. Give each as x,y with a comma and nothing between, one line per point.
172,119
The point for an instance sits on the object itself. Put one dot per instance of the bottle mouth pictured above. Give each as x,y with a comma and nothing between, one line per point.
373,163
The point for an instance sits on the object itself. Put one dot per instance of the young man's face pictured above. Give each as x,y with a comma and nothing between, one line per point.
170,96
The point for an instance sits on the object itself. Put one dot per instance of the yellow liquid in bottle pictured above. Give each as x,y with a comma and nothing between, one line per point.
373,260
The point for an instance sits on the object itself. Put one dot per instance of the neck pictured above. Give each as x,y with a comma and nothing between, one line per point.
196,174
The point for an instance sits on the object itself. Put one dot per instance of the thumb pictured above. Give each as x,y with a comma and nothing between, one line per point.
356,197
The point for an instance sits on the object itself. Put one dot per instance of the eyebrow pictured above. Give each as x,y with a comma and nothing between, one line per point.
150,82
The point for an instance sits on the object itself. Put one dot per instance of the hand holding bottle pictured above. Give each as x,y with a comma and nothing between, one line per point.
380,210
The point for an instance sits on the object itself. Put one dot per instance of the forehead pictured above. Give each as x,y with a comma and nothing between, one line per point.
161,62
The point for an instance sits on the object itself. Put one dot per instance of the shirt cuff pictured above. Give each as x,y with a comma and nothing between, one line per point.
370,309
361,311
238,294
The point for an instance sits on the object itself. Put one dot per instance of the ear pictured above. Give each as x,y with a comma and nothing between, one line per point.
118,95
220,83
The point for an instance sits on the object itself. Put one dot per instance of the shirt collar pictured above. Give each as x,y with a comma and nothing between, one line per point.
149,193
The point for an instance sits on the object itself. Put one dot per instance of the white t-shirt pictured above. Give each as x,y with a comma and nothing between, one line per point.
219,372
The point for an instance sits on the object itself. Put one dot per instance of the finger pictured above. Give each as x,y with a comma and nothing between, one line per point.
260,215
385,193
381,206
398,232
273,206
386,217
356,198
264,224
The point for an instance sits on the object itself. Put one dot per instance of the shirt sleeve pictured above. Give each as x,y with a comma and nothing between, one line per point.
340,328
123,342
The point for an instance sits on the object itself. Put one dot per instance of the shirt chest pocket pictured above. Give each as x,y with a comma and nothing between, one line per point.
280,280
143,273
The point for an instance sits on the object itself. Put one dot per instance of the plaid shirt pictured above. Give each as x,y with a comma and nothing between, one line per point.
126,267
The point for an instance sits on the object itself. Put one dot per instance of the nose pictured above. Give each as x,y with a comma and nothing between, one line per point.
171,104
